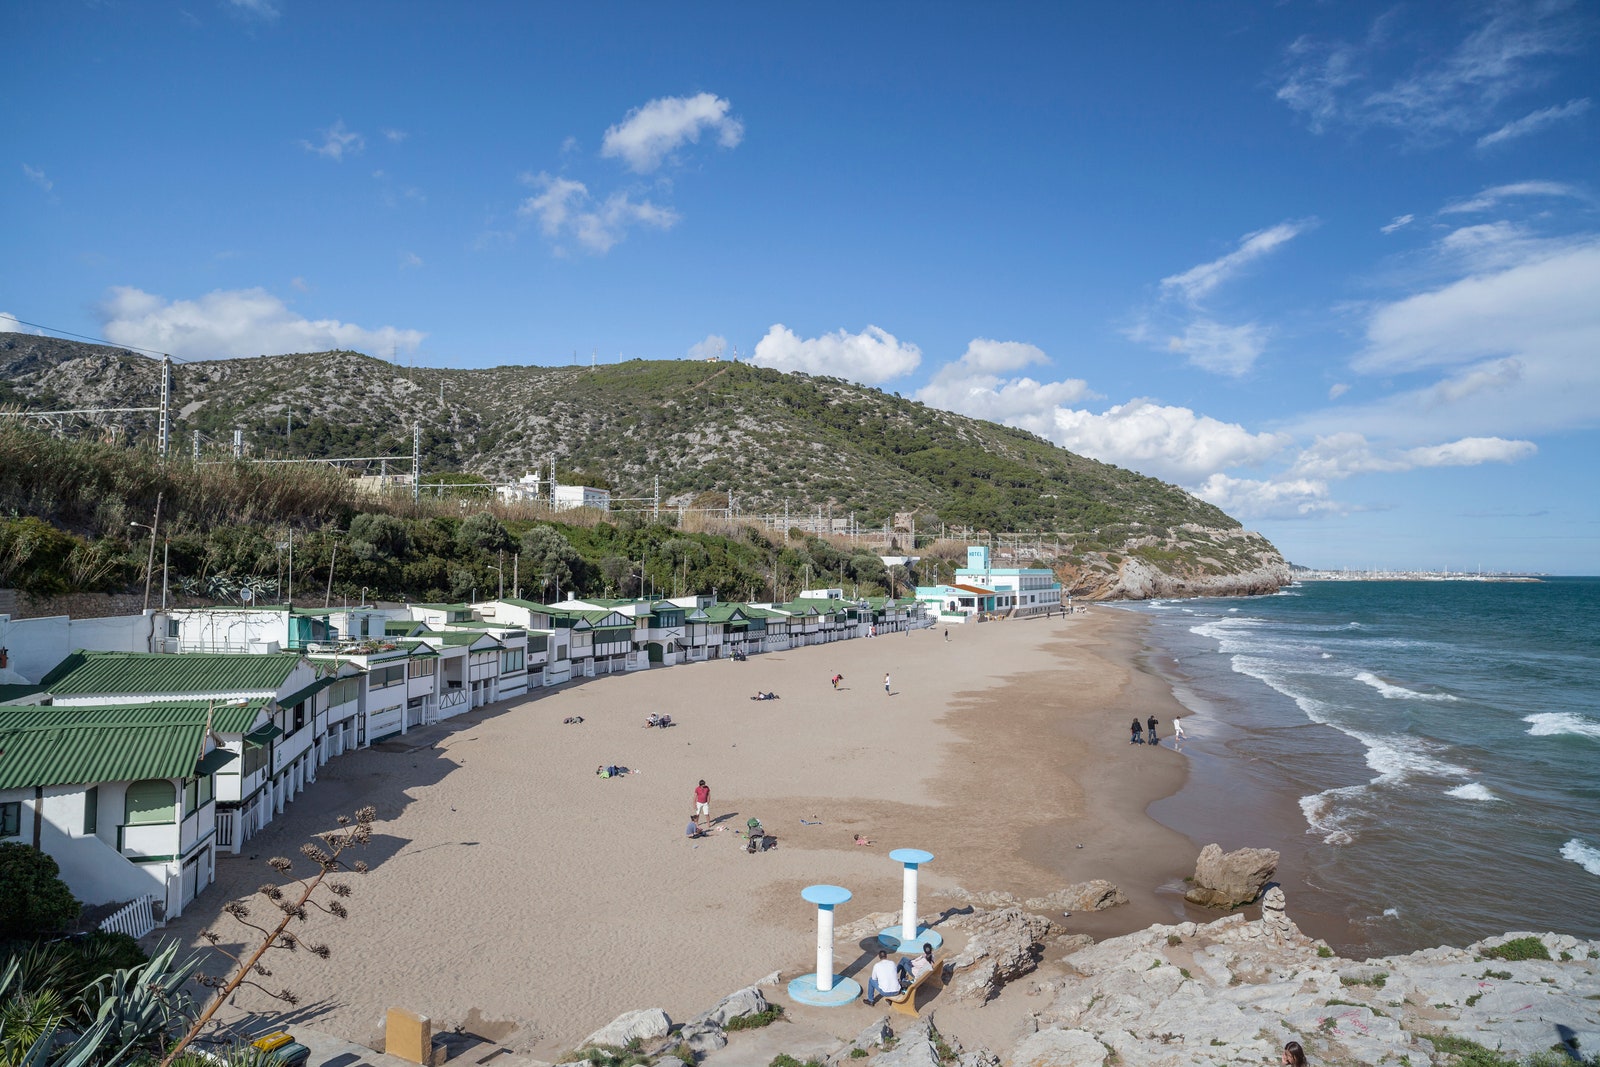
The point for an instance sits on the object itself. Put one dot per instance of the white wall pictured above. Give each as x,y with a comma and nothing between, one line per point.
37,645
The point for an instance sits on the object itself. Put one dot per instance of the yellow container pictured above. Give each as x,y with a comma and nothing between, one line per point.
274,1040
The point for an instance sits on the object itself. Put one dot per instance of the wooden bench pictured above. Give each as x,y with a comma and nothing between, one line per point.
905,1001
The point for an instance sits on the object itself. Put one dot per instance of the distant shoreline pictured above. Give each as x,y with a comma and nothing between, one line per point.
1413,576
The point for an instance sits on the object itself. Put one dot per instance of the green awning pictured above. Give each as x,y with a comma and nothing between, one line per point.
264,734
304,694
214,761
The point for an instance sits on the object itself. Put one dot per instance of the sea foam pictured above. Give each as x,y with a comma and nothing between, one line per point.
1391,691
1471,791
1549,723
1584,855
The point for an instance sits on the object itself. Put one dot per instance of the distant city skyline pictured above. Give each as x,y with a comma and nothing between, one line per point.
1334,268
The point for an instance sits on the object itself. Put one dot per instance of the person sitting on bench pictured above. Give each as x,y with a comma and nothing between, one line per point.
885,980
914,967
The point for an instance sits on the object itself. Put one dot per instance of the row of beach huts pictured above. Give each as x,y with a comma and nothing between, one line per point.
135,750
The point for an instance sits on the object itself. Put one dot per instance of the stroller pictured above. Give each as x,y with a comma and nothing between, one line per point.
757,839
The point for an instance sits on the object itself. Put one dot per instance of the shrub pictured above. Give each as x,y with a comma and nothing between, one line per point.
1520,948
33,899
1173,940
1468,1053
756,1020
1324,952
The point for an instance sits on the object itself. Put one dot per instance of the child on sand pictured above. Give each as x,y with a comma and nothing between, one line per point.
861,840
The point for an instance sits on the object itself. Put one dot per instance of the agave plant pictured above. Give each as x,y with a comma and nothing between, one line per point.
142,1004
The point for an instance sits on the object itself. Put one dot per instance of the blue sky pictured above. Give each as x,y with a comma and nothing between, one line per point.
1334,267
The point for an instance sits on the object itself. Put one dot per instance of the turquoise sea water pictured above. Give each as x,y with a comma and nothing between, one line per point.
1427,754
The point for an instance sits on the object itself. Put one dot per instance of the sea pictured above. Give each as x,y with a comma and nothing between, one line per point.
1424,754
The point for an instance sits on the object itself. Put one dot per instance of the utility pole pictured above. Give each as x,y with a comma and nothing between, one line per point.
416,462
238,444
164,430
197,446
288,432
655,511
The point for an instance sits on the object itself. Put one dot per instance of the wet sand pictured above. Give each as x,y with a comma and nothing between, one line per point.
512,888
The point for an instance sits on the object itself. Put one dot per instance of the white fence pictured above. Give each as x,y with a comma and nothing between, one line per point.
135,919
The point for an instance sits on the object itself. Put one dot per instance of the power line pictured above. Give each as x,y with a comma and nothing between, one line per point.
99,340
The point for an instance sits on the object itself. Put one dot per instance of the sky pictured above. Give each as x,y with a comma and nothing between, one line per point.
1332,267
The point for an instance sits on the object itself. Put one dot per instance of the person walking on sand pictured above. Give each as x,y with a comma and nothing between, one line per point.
1150,731
1177,729
702,799
886,684
837,678
1137,732
947,636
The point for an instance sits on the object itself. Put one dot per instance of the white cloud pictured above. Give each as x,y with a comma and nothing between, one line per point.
1196,283
1471,452
973,385
1341,455
650,133
395,136
38,177
1493,196
1446,91
299,284
1167,442
410,261
1534,122
870,357
712,347
266,10
564,208
1397,223
228,323
1506,350
1212,346
1251,498
1337,389
337,142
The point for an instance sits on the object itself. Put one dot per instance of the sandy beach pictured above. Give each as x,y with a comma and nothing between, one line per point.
513,891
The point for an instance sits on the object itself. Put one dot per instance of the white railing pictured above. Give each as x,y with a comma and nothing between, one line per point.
225,824
135,919
150,839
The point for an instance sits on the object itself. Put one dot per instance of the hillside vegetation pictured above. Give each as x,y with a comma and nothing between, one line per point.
707,431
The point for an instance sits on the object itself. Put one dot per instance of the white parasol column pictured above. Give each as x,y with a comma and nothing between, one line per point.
824,988
907,937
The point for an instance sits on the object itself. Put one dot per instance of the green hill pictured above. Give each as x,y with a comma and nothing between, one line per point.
771,442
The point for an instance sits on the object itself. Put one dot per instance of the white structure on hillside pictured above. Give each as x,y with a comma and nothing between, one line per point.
580,496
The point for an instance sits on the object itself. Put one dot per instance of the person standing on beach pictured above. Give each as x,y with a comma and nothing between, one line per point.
702,799
947,635
1177,729
1137,731
886,683
1150,731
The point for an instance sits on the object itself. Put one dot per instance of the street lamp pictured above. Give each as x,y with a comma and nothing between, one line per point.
150,563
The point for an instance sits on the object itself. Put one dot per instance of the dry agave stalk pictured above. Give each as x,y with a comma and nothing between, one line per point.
292,903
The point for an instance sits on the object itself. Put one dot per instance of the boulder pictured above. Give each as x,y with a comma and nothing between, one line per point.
736,1005
646,1024
914,1049
867,1040
1226,880
1097,895
1001,946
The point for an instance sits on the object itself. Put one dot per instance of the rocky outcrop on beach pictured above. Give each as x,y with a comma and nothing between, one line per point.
1228,879
1097,895
1189,561
1236,991
1233,991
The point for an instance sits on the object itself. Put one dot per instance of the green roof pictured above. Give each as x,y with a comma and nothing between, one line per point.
262,734
724,612
530,605
462,637
117,673
71,746
442,607
18,692
594,617
407,628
